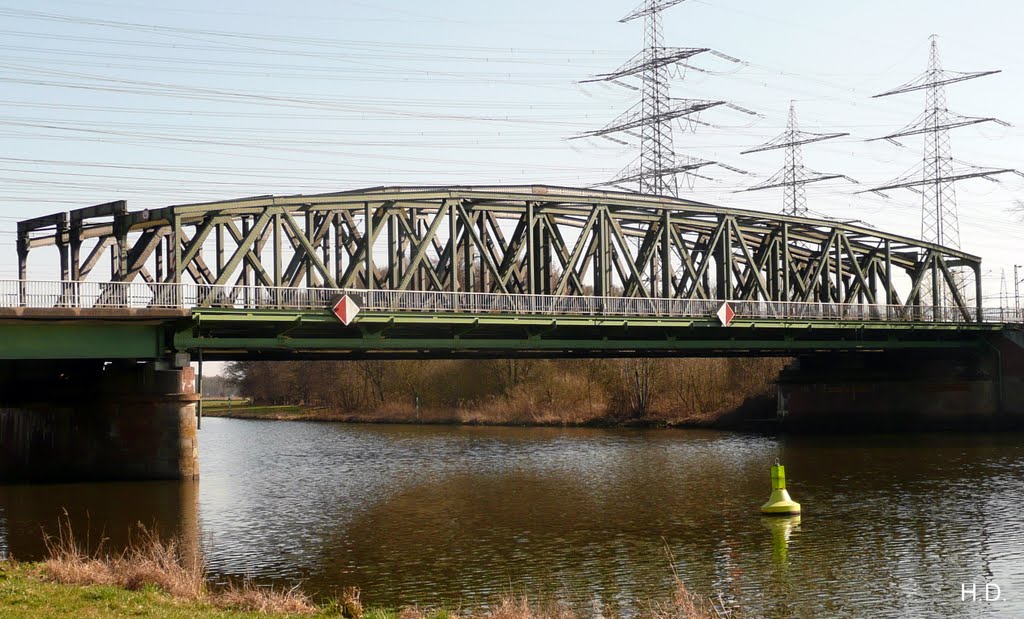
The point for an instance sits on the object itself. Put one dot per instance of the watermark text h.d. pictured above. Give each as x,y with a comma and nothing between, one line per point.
971,592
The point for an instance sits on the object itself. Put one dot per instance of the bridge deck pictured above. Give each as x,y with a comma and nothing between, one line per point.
138,320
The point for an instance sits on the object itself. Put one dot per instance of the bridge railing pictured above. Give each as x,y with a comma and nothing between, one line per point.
143,295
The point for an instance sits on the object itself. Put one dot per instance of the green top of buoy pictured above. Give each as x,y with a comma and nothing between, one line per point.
778,477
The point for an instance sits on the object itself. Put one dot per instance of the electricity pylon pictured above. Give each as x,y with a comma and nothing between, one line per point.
794,176
657,169
935,177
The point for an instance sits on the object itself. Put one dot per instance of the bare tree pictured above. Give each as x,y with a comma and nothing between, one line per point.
640,378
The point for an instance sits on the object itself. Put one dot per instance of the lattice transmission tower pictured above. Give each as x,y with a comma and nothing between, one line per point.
793,176
937,174
658,167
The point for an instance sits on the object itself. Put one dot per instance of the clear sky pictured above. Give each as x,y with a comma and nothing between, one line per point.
165,103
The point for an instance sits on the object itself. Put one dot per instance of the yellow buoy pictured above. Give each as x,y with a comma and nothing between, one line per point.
780,504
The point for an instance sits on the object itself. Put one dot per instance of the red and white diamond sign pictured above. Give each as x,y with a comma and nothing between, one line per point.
726,314
346,310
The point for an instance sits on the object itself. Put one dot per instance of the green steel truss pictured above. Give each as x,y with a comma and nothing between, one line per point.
530,240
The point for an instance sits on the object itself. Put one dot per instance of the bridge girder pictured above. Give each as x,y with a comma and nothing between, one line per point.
533,239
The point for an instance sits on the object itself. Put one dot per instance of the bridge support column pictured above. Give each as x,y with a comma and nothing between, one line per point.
974,388
94,421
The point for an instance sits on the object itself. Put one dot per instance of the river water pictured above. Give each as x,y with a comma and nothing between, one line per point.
893,526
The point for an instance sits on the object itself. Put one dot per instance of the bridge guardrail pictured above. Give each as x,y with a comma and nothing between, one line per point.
143,295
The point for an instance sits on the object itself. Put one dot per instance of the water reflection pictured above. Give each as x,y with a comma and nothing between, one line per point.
781,528
891,525
98,513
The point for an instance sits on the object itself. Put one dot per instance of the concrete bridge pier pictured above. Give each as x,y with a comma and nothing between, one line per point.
978,387
94,421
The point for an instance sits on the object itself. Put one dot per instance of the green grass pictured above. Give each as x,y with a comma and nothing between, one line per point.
245,411
225,403
24,595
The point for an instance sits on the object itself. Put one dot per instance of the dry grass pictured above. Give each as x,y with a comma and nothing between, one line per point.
265,600
683,604
150,561
688,605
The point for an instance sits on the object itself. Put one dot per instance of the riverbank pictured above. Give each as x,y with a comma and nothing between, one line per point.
753,414
697,393
156,577
757,412
26,593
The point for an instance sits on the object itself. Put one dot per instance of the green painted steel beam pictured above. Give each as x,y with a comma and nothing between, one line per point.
43,340
426,346
213,316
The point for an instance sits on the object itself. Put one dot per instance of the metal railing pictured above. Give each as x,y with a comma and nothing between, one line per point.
142,295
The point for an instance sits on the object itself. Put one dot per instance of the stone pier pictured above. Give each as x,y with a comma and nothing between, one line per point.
970,388
79,421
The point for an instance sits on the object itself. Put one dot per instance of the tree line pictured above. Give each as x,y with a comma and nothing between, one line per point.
515,391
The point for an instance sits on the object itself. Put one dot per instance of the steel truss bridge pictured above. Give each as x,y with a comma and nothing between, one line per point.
479,271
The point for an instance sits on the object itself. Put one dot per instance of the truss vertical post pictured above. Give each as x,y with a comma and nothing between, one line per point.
174,265
840,290
218,248
158,256
339,247
278,241
368,241
22,267
531,247
723,270
467,253
786,275
75,233
121,240
308,259
666,254
453,246
61,239
978,295
485,279
547,256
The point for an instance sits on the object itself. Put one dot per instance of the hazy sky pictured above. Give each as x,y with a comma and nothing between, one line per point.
161,103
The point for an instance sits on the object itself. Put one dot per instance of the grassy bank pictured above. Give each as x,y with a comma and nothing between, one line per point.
153,578
28,591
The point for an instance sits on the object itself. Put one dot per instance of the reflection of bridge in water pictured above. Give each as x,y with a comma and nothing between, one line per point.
484,272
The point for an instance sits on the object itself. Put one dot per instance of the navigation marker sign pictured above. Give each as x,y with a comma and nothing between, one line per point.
726,314
345,309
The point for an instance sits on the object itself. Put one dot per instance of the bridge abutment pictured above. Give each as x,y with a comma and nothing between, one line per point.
971,388
83,421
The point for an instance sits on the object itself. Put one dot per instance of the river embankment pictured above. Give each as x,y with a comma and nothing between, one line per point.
754,413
